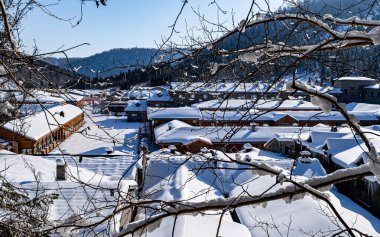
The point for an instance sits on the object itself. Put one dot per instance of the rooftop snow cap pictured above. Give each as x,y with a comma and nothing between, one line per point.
204,150
172,149
109,150
247,147
305,154
61,169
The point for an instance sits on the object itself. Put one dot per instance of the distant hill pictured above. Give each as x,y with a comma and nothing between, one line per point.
115,59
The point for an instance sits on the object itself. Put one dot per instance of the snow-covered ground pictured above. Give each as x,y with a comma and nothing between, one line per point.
99,132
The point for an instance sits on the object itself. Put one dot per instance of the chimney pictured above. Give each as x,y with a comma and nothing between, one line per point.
61,169
253,127
334,128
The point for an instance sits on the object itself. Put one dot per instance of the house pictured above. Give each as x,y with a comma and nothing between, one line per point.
352,88
160,99
286,105
224,104
117,107
187,93
284,118
353,106
352,152
77,186
192,138
158,116
210,176
286,144
336,150
42,131
261,105
371,94
136,110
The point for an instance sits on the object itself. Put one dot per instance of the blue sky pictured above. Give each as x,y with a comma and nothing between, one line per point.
122,24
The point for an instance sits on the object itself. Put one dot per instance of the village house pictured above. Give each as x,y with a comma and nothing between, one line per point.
352,88
211,176
335,149
161,99
158,116
188,93
230,139
283,118
261,105
78,185
41,132
371,94
136,110
117,107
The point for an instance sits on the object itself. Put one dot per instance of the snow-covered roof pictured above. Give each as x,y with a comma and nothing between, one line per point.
346,152
41,123
286,105
42,97
103,131
355,79
182,133
195,225
136,105
376,87
73,196
224,104
309,170
174,113
290,136
277,115
175,177
223,87
71,97
160,96
353,106
294,104
20,169
318,138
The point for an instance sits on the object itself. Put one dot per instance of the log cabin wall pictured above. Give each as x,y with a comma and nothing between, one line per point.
46,143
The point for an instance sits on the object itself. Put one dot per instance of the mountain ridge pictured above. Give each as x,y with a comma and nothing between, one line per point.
108,62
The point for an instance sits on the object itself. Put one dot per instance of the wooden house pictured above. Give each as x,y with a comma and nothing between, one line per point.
42,131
